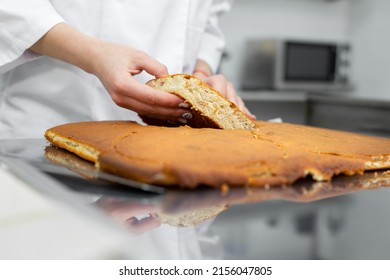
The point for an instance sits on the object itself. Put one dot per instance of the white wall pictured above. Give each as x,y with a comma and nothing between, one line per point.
364,23
304,19
370,36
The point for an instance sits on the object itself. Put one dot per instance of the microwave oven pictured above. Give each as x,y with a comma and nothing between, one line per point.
282,64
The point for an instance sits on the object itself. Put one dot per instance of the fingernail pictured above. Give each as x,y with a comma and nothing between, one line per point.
187,115
132,220
184,105
182,120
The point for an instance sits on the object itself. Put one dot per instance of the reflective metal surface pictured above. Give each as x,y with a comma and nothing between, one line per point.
346,218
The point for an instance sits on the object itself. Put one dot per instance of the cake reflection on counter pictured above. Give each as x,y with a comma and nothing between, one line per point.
186,208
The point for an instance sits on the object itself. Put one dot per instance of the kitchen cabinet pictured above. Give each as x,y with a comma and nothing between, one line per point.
348,113
288,106
335,111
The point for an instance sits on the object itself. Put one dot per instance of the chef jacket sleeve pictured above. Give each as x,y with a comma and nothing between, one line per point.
23,22
213,41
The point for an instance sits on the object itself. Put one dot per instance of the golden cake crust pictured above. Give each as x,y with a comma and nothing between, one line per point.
208,107
272,154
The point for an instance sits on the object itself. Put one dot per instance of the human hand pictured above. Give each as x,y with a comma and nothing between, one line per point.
221,84
226,88
117,64
125,213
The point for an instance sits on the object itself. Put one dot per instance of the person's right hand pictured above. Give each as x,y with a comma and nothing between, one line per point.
115,66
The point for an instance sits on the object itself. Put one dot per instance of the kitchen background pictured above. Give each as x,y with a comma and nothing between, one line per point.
363,23
332,228
354,226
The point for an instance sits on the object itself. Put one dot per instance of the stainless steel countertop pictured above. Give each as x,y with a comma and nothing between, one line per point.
343,219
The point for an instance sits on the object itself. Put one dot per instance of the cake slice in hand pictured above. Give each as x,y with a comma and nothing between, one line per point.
209,108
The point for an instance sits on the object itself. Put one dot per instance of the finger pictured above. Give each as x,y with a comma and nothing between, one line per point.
128,210
154,112
129,87
201,77
231,94
138,227
245,109
218,83
135,72
241,105
154,97
122,210
152,66
253,117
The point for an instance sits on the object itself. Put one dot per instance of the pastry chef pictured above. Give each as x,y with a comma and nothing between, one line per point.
65,61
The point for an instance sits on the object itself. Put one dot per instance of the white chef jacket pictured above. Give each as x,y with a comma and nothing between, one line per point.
38,92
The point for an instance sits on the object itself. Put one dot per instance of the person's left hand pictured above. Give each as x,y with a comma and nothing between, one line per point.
226,88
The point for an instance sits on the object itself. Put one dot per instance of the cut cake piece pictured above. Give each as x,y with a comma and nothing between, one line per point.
208,107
